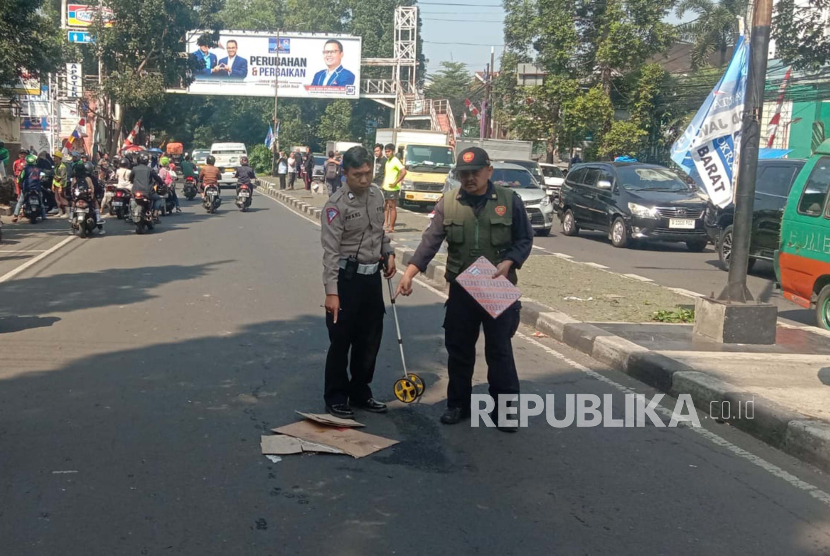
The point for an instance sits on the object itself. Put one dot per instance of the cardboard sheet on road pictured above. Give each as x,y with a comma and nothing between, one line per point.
494,294
281,445
326,419
355,443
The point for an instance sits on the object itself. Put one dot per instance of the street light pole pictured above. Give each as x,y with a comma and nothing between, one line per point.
736,290
274,141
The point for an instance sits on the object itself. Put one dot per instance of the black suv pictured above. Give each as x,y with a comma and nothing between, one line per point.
772,185
632,200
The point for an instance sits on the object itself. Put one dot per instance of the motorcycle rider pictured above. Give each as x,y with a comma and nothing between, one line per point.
244,175
209,175
168,176
29,180
122,175
145,181
84,173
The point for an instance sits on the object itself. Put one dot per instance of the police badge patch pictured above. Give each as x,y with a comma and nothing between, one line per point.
331,214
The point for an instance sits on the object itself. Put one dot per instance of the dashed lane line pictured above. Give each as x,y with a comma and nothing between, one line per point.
715,439
12,273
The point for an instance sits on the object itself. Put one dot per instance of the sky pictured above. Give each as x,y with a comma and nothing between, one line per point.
461,31
464,31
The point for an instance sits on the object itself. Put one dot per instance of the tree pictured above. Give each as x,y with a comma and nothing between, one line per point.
625,137
30,41
715,29
454,83
335,123
800,33
141,52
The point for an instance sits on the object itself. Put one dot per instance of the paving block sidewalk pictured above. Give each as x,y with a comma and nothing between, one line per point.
788,384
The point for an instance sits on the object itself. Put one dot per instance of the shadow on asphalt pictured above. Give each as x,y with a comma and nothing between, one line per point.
64,293
171,223
16,323
161,443
639,245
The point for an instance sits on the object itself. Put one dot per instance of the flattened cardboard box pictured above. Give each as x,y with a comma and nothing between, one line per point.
355,443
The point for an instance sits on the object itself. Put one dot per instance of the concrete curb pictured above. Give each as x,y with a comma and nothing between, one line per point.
796,434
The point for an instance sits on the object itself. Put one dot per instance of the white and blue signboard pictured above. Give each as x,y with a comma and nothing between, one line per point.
708,150
81,37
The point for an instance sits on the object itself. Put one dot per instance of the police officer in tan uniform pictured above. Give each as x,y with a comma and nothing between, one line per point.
355,251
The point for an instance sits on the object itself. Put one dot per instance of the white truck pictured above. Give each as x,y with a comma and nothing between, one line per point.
227,157
499,149
428,158
340,146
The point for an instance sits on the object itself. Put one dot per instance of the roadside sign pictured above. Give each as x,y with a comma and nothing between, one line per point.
74,81
80,37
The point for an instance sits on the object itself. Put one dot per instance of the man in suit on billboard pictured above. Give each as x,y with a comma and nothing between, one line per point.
205,59
232,66
335,75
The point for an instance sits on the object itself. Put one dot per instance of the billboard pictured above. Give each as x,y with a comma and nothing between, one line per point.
82,15
303,65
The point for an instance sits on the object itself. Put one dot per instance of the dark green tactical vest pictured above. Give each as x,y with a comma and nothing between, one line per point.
469,237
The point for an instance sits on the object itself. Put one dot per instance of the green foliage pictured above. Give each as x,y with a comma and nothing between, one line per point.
335,122
675,316
800,33
30,40
260,158
453,82
714,29
625,137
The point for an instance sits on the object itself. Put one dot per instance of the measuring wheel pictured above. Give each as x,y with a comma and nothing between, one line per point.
418,382
405,390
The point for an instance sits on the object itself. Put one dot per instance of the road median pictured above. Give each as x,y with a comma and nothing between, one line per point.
775,393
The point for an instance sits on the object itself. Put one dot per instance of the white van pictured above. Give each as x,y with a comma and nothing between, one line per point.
227,157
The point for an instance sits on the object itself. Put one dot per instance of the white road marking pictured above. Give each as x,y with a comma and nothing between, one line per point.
638,277
685,292
11,274
767,466
562,256
539,248
596,265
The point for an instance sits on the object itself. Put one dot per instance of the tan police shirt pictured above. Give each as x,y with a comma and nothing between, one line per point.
346,218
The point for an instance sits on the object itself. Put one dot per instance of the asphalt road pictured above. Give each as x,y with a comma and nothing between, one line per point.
671,264
140,372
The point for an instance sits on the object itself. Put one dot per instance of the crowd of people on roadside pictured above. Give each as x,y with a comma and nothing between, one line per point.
291,166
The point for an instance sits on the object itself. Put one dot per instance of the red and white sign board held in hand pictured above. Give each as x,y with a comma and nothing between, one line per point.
494,294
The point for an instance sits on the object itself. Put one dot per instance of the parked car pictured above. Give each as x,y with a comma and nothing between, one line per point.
530,165
537,203
802,262
632,200
554,178
318,174
774,180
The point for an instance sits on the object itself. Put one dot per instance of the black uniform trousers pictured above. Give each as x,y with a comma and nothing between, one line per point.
359,328
462,323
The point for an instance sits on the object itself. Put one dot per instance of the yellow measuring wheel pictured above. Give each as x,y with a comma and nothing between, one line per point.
411,386
405,390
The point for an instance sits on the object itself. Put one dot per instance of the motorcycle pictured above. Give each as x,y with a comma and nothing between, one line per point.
212,200
243,197
83,214
190,190
121,203
166,201
142,213
46,179
31,206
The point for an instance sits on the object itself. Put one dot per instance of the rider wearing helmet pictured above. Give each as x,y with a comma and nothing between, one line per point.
83,174
168,176
145,181
28,181
244,174
209,175
60,181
